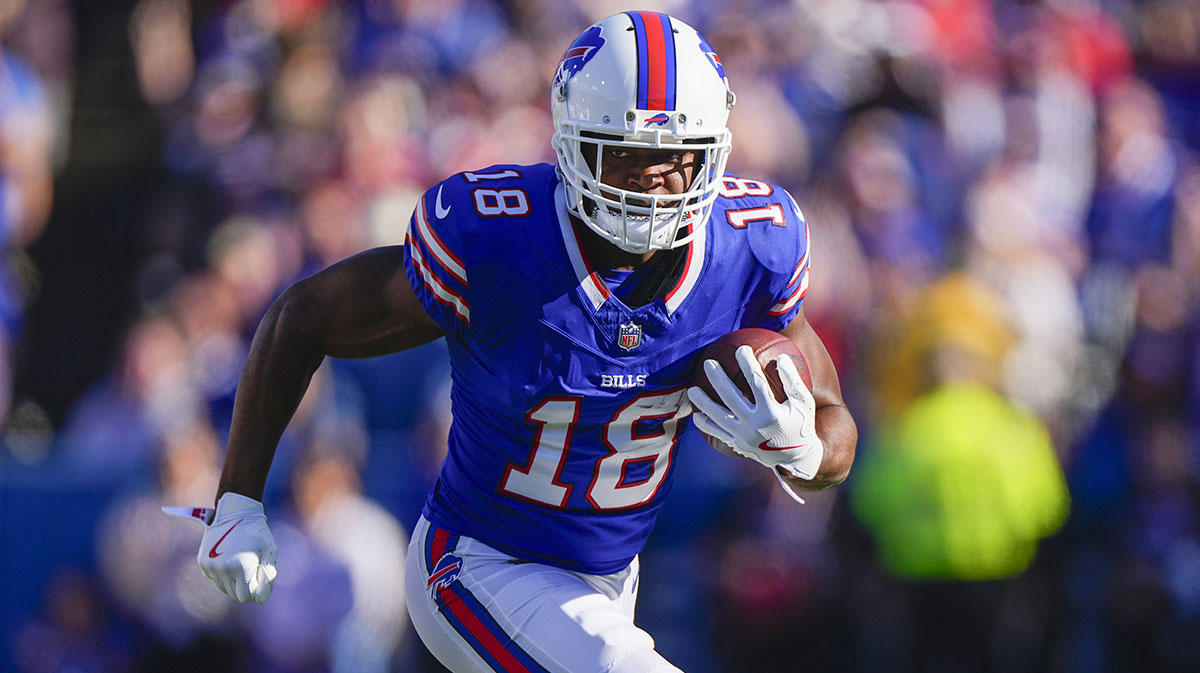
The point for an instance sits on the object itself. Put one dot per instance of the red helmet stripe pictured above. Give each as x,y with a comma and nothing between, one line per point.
656,62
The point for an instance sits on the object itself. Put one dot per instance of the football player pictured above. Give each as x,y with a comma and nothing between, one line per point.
574,299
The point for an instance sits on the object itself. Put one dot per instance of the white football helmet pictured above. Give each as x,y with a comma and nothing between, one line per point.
640,80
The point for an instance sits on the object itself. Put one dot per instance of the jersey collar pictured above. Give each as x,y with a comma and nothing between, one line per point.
592,287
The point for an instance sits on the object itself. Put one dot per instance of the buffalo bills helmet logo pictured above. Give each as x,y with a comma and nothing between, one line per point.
659,119
578,54
445,572
712,56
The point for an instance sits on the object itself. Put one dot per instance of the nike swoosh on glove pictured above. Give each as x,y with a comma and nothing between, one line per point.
773,433
238,552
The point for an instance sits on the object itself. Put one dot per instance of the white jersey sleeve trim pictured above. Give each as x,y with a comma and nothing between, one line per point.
440,252
441,293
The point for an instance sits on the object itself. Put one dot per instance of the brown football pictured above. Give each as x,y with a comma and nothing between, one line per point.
767,345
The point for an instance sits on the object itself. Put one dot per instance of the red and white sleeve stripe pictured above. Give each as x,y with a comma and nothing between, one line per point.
441,292
442,272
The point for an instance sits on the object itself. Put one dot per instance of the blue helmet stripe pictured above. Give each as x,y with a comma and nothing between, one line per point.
643,59
669,50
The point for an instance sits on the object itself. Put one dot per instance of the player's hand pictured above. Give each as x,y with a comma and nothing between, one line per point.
773,433
238,551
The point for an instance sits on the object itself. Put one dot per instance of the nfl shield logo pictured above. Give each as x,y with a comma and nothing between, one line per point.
630,336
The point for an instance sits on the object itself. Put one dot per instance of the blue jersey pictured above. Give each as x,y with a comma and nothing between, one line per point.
568,404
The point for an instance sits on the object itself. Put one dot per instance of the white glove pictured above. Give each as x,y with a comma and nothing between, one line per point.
776,434
237,551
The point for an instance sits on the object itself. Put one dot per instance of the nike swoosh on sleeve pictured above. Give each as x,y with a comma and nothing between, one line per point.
213,553
437,206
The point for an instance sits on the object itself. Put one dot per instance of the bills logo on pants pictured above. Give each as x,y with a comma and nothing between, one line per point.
463,611
480,610
444,573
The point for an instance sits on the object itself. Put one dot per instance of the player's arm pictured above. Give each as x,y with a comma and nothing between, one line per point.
834,424
360,307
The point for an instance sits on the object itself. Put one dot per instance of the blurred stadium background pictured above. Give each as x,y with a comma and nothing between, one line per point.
1004,198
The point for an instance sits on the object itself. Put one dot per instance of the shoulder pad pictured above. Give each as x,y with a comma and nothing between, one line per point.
775,228
500,174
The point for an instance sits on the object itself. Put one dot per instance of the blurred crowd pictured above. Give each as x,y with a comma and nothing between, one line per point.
1004,201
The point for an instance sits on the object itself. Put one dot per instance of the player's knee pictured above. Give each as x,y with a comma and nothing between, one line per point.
629,649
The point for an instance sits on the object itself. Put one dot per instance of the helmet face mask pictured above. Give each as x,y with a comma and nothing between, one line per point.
610,94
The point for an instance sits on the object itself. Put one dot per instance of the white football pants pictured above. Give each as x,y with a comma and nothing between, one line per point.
482,611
